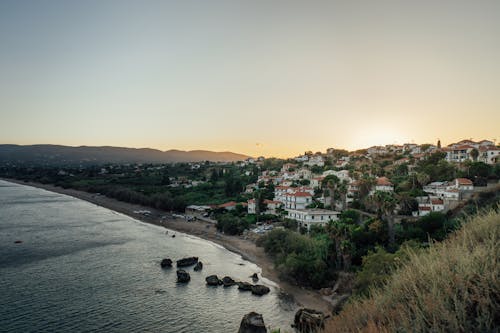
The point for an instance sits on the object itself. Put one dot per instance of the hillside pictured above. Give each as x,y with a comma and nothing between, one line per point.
452,287
61,155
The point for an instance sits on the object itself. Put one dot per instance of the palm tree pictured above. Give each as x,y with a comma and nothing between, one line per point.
331,183
336,232
385,204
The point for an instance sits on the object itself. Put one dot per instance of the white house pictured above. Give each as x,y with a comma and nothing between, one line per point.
316,182
298,200
251,206
309,217
458,153
315,160
429,204
462,184
383,184
489,154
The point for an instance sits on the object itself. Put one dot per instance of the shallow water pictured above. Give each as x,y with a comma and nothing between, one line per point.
84,268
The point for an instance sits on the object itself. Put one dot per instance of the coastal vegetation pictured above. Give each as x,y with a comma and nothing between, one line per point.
451,286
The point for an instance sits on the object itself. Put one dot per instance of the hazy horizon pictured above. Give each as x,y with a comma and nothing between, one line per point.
266,78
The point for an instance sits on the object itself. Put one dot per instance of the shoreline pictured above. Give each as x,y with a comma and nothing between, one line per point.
236,244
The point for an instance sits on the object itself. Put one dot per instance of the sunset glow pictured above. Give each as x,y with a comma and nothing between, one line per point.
260,78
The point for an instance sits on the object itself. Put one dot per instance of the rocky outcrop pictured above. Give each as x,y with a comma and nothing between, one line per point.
187,261
244,286
166,263
198,266
183,276
213,280
260,290
252,323
227,281
309,320
255,277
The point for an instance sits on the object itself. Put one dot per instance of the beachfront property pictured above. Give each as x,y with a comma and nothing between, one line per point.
197,210
314,216
272,206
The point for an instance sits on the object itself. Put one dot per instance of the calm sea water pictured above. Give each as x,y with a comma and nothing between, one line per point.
84,268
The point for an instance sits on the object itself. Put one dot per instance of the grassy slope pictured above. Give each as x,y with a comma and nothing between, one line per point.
452,287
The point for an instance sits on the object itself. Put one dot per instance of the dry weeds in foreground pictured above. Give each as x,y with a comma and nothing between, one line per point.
452,287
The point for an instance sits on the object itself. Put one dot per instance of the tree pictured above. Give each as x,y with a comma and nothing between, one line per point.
385,204
474,153
331,182
423,178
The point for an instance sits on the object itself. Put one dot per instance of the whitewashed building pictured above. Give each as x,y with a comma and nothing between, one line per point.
309,217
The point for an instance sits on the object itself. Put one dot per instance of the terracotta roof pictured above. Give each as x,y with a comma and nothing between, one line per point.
383,181
228,204
462,147
424,208
301,194
464,181
251,201
437,201
488,148
272,202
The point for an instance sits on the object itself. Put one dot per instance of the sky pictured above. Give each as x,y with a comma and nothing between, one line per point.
260,77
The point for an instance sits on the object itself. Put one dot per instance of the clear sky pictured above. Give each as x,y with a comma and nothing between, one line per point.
262,77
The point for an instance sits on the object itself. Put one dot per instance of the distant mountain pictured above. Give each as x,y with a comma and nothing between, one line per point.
64,155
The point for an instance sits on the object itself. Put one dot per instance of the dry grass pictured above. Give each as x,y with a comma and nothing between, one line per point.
452,287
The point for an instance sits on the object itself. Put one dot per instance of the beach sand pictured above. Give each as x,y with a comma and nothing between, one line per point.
246,248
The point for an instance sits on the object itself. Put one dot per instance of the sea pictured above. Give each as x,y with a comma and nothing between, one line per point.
83,268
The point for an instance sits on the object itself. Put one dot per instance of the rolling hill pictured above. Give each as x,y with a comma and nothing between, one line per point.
64,155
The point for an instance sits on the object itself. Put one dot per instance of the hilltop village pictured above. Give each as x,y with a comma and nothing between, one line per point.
327,219
314,188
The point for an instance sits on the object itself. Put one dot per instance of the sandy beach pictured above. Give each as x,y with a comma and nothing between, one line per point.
246,248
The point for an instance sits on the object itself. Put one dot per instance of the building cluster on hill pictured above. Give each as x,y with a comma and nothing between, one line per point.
314,188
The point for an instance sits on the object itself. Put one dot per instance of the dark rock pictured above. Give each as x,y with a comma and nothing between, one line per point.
18,241
309,320
227,281
199,266
260,290
245,286
255,277
173,236
183,276
213,280
252,323
187,261
166,263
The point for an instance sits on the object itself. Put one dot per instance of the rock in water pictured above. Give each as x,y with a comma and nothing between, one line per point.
213,280
260,290
255,277
166,263
309,320
183,276
227,281
245,286
252,323
187,261
199,266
